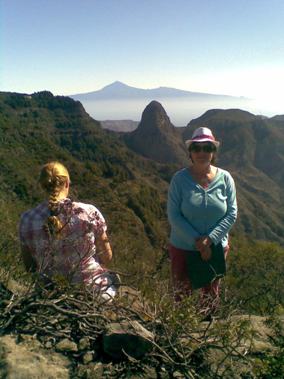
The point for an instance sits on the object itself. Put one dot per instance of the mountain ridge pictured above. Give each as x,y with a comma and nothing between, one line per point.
118,101
120,89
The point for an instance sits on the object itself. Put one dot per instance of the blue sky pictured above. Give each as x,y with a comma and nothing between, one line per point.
71,46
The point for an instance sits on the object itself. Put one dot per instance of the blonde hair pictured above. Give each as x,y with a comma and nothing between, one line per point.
53,178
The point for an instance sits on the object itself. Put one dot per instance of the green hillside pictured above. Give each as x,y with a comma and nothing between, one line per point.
125,187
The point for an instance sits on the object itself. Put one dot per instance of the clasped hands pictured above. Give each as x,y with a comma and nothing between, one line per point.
203,246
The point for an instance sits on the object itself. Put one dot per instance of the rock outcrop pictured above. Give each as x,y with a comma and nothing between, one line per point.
156,137
25,358
71,335
128,337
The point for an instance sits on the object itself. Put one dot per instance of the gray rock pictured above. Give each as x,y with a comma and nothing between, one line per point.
178,375
92,371
48,345
84,343
16,287
129,337
88,357
29,340
18,361
66,345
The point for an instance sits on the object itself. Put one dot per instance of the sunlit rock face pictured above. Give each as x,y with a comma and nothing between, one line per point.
156,137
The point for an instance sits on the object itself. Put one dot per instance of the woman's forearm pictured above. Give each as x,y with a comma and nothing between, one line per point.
104,251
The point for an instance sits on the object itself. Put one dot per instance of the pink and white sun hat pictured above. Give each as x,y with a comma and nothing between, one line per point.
202,135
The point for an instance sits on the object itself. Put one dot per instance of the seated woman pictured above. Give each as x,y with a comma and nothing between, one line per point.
64,238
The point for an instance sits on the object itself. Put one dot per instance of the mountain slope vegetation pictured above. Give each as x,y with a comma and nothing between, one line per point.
124,186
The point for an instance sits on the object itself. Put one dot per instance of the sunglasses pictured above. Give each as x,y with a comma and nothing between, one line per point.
206,148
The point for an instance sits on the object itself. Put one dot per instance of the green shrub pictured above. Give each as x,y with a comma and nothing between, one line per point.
255,277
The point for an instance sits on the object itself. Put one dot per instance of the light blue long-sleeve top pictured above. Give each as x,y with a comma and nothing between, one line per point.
194,211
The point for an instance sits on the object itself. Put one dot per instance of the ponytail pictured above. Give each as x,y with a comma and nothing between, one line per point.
53,178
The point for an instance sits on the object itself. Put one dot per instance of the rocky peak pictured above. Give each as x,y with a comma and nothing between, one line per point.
156,137
154,117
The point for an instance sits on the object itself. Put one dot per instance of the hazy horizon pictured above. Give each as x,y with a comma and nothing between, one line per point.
180,111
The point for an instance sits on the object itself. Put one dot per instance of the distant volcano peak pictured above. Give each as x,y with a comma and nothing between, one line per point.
126,102
116,84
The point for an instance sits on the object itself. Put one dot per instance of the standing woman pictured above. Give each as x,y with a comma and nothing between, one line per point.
202,208
64,238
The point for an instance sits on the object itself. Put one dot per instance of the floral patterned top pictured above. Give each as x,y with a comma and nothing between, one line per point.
73,254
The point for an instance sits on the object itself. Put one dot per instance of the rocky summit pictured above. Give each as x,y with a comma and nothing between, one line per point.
156,137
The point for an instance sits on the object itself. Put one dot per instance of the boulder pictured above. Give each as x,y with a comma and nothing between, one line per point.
88,357
128,337
91,371
66,345
28,361
84,343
